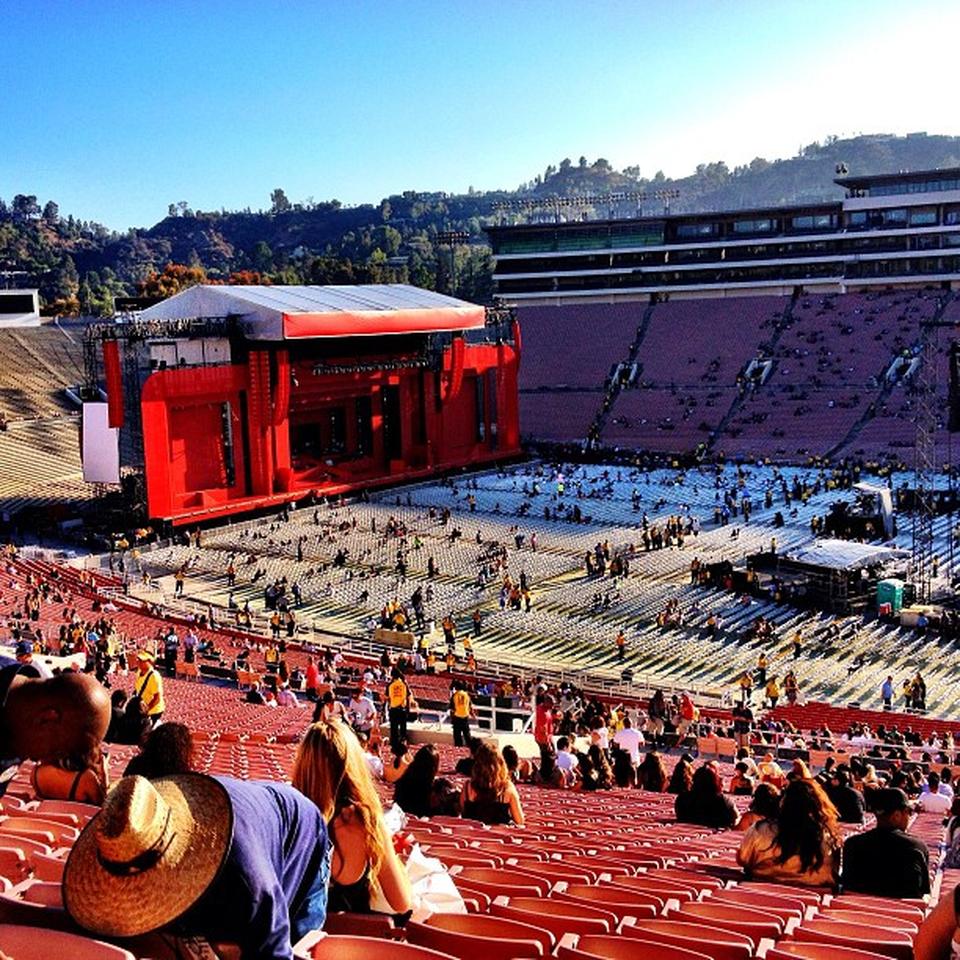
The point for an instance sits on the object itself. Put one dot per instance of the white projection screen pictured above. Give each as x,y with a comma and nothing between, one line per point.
101,446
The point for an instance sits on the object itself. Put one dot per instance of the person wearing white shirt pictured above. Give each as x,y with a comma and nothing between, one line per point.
629,739
935,797
361,712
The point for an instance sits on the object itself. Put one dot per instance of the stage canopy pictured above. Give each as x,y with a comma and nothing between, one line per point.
302,312
844,554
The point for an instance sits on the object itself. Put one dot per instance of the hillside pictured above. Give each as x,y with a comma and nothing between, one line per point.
81,267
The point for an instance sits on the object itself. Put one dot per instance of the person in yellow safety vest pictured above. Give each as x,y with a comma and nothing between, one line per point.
621,646
471,663
762,670
451,661
773,692
398,703
148,687
431,662
461,709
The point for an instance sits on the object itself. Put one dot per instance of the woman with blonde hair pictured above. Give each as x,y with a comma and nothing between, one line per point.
490,796
331,770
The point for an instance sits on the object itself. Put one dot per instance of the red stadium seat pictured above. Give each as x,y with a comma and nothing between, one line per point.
699,937
862,936
34,943
493,938
368,948
791,950
620,948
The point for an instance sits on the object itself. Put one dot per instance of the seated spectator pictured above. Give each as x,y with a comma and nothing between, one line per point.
770,771
847,799
328,709
464,766
566,762
285,696
83,778
682,776
743,756
624,770
489,796
886,861
419,792
595,771
228,860
167,750
932,797
330,769
741,783
801,846
118,701
764,806
935,939
255,694
652,773
520,770
40,719
799,770
548,774
705,802
371,750
400,759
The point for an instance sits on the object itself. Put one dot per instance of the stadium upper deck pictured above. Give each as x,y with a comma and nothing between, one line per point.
892,229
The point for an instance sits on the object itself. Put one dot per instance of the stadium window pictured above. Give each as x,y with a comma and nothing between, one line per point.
752,226
696,229
923,217
895,215
857,219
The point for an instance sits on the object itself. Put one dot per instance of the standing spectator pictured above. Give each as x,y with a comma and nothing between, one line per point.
148,687
543,720
886,693
398,706
361,712
312,682
461,710
886,861
656,715
629,739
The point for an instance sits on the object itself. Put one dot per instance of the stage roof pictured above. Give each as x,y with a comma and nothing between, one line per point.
844,554
301,312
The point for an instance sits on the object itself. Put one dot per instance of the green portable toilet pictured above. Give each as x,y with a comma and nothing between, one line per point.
890,591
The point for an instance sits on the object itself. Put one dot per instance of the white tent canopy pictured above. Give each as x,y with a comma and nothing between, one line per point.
285,312
844,554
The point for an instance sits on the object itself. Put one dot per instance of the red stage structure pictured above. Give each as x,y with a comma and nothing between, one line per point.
240,398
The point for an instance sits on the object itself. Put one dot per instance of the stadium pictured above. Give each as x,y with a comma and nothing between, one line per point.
691,476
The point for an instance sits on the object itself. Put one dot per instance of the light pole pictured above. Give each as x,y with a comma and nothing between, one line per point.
452,239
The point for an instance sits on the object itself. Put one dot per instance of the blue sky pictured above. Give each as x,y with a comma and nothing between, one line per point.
116,108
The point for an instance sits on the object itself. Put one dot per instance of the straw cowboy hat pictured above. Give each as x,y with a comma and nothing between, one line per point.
149,855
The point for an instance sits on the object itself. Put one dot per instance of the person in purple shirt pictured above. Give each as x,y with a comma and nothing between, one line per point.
243,862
